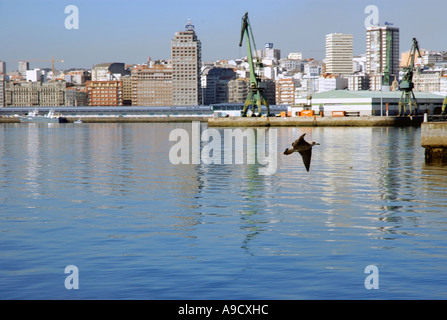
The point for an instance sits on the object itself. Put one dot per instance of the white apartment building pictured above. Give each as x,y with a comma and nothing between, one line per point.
186,54
328,82
295,56
427,81
291,64
359,64
312,69
309,86
443,83
269,52
358,82
339,53
35,75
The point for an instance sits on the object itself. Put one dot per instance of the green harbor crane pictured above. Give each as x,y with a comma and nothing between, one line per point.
407,98
256,95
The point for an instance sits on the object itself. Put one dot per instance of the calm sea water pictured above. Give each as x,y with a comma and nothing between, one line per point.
106,199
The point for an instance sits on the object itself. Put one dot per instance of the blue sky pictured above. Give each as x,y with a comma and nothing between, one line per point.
130,31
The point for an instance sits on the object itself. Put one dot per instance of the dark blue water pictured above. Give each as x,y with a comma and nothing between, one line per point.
106,199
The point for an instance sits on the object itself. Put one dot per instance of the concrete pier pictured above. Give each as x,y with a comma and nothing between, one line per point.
434,140
364,121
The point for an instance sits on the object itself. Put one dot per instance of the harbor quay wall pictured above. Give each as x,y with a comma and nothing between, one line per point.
105,119
364,121
434,140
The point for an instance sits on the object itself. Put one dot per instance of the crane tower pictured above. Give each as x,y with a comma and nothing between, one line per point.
407,98
256,95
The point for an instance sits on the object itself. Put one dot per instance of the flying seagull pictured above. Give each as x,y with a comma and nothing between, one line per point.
304,148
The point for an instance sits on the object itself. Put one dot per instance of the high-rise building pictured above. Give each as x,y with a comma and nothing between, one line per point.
127,90
2,93
377,39
23,66
186,54
339,53
2,67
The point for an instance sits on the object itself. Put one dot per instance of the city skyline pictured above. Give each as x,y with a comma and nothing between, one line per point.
131,31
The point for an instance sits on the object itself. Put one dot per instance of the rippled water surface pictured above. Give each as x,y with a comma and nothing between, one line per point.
107,199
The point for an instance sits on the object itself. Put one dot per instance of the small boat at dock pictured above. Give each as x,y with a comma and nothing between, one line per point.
33,116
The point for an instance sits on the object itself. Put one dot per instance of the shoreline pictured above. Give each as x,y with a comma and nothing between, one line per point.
364,121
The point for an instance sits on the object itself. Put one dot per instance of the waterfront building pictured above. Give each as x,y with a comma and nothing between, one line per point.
52,94
34,94
186,55
339,53
365,103
111,71
376,52
152,86
104,93
70,96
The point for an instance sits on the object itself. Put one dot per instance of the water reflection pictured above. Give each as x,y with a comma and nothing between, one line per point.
110,191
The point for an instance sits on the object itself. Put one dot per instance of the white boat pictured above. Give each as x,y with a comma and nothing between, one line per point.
33,116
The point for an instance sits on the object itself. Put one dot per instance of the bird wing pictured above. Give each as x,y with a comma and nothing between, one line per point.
306,155
298,141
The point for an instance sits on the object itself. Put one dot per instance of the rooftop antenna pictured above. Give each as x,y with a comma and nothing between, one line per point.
189,26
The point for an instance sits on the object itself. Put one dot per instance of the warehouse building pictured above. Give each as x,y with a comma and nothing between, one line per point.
363,103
